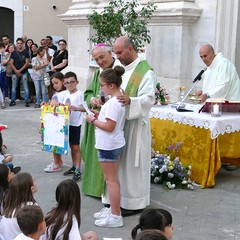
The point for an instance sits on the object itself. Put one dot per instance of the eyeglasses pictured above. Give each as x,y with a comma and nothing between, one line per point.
69,83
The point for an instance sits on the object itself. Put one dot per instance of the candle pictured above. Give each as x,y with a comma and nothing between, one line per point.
216,109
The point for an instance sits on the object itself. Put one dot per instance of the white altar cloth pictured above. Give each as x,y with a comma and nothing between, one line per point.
226,123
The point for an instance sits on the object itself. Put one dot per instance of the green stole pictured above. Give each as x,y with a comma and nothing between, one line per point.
136,78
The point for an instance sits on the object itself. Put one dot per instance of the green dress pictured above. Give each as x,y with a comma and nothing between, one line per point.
93,180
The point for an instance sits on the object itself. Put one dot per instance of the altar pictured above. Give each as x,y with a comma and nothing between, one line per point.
206,140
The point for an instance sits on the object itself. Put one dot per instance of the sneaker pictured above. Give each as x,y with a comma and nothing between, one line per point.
77,176
103,213
110,221
53,168
16,169
70,171
27,104
12,103
37,106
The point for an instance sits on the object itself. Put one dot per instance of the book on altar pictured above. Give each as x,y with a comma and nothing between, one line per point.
227,106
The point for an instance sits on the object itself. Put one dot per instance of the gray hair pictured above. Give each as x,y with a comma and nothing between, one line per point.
104,47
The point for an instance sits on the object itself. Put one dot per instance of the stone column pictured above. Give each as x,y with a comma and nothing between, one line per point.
226,39
171,48
170,52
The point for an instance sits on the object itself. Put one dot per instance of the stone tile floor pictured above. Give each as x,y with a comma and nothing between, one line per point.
212,213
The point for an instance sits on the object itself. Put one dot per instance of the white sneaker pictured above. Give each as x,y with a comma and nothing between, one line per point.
110,221
53,168
103,213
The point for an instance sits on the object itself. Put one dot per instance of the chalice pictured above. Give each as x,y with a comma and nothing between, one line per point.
182,92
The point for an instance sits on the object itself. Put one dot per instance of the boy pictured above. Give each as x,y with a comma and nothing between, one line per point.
74,99
31,222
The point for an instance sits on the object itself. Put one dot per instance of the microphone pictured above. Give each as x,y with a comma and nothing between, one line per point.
102,96
199,76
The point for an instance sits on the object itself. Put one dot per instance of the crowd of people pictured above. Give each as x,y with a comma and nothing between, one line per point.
27,63
116,144
22,218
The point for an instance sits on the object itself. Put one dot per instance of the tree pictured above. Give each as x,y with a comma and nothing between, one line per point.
122,18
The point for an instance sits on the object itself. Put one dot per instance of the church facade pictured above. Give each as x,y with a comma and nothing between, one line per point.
178,29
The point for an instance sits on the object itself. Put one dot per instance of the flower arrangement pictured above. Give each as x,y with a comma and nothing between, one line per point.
161,93
168,170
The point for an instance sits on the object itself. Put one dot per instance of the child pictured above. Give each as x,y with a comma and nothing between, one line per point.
74,99
31,221
57,100
110,141
159,219
5,178
19,194
151,234
63,221
7,158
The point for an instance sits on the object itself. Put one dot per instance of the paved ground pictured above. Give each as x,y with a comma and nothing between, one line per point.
197,215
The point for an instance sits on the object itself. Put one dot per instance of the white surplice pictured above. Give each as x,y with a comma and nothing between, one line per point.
134,166
221,79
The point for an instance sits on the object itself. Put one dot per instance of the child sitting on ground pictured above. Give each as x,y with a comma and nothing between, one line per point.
63,221
151,234
7,158
31,221
6,177
19,194
159,219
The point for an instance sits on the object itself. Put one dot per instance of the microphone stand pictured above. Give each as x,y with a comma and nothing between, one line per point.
179,109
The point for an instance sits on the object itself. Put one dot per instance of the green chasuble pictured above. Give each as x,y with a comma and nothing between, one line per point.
136,78
93,180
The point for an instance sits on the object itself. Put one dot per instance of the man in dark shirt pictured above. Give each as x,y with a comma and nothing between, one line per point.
19,62
50,44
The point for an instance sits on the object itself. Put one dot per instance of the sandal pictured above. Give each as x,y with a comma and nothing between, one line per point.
3,106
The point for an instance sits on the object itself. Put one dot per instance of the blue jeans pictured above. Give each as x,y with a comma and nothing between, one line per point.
40,88
109,155
15,80
4,84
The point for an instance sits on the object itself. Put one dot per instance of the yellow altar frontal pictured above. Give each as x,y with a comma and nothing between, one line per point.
205,139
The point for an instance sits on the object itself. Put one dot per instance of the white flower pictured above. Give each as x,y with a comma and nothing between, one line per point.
173,186
189,167
176,159
163,169
184,182
170,175
189,172
168,184
189,186
156,179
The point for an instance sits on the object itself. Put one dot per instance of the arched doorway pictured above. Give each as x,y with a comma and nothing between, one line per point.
7,23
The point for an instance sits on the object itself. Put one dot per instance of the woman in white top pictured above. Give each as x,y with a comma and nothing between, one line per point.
39,64
63,221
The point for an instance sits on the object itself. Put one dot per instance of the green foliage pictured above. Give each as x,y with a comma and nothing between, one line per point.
122,18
